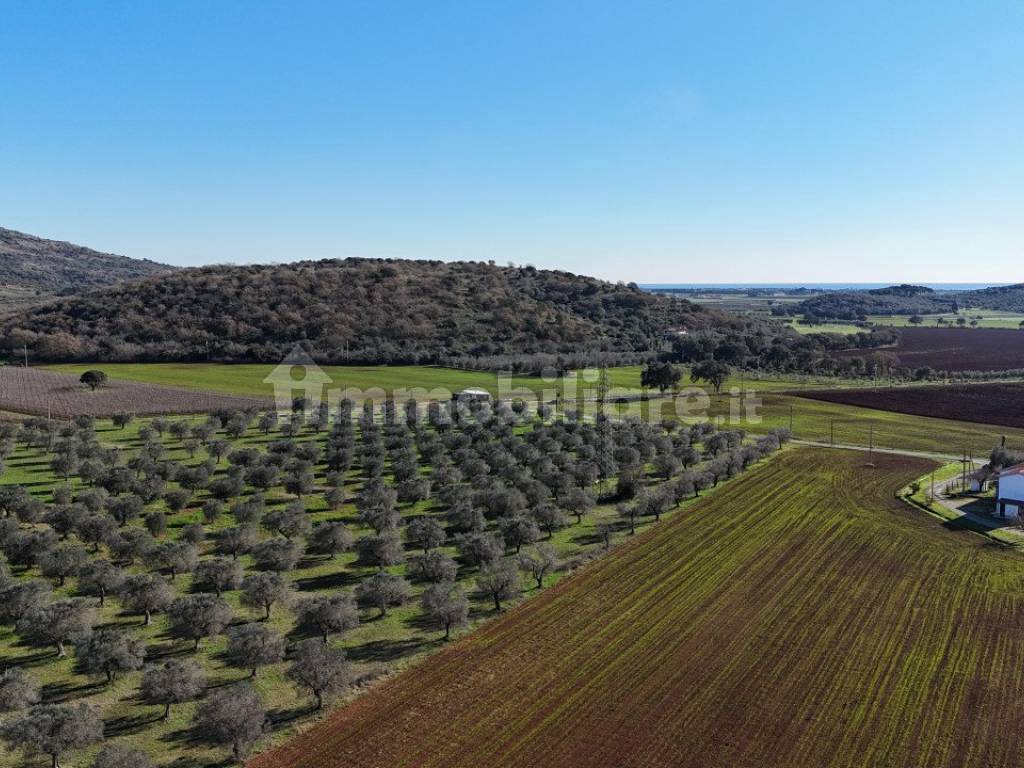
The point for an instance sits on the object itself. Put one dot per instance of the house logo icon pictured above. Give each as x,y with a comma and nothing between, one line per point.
297,376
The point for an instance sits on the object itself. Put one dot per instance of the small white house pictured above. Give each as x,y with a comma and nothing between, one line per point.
1010,491
473,395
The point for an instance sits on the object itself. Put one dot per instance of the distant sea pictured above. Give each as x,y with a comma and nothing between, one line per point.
809,286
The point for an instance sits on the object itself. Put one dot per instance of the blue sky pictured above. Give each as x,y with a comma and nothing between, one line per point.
655,142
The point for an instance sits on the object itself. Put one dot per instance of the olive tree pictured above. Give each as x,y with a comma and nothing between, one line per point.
382,590
251,646
446,605
108,651
499,581
194,617
320,669
264,590
174,682
54,730
232,717
327,614
18,689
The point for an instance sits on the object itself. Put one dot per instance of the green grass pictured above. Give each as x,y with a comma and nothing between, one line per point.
802,617
247,378
377,646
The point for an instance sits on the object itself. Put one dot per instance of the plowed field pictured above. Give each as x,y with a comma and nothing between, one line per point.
802,616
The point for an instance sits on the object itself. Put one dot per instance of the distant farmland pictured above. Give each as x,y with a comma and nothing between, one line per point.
984,403
49,393
802,617
956,349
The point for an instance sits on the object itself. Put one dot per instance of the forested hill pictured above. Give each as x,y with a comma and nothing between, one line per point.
355,310
903,300
32,268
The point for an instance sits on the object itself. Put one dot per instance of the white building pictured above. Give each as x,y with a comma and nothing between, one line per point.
1010,491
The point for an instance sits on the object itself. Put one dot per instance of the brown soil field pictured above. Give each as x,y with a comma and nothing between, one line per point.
1001,404
801,616
956,349
41,393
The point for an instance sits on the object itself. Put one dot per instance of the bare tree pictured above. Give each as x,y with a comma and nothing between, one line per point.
445,604
264,590
251,646
320,669
54,730
232,716
327,614
174,682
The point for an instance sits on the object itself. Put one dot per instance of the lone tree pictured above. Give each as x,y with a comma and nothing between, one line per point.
231,716
714,372
252,646
108,651
499,581
54,730
446,605
264,590
539,563
18,689
194,617
661,375
324,615
93,379
381,590
320,669
175,682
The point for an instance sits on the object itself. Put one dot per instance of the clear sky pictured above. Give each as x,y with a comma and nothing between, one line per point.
705,141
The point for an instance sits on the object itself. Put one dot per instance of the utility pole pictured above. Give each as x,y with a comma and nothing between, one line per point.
832,432
871,438
791,419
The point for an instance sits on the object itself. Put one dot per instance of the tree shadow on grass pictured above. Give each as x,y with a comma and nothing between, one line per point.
122,726
283,716
336,580
55,693
385,650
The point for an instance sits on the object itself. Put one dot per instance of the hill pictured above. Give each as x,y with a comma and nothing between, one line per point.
852,305
357,310
32,268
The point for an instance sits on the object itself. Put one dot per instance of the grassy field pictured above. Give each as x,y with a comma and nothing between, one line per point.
377,647
811,420
247,378
801,617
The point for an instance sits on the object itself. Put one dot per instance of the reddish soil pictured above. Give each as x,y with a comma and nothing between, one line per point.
38,392
956,349
1001,404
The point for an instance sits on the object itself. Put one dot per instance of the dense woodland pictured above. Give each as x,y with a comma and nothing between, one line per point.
466,314
181,569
